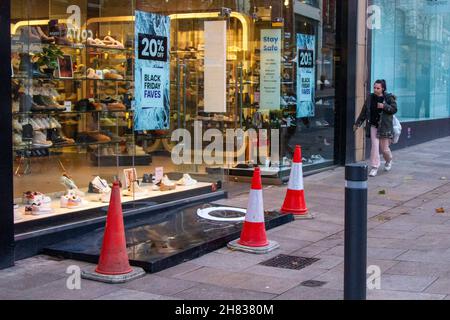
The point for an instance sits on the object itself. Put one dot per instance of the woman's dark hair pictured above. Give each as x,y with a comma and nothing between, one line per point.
383,84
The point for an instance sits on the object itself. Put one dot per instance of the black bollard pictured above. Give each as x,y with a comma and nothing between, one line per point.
355,264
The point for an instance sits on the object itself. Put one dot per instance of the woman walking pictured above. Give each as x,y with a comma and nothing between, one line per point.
378,112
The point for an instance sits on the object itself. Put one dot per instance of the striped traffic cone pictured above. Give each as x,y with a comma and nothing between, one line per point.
295,197
253,236
113,265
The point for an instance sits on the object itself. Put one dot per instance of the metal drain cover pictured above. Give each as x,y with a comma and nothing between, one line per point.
289,262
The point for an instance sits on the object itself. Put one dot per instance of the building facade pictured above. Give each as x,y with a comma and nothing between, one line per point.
100,87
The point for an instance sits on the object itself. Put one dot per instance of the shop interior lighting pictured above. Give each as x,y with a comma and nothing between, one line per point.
178,16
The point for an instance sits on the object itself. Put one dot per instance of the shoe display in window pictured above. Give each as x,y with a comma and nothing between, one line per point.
186,181
167,184
110,42
40,140
37,203
17,140
100,186
38,208
134,190
59,139
26,104
71,200
147,178
30,197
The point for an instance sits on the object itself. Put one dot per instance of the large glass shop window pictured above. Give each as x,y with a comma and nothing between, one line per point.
411,50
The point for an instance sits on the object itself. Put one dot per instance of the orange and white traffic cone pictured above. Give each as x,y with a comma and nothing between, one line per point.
253,236
113,265
295,197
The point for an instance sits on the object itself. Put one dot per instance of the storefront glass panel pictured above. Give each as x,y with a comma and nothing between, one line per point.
411,50
233,66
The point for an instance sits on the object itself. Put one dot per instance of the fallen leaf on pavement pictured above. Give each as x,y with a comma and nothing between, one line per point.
382,192
440,210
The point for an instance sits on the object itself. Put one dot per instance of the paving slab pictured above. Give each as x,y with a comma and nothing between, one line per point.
213,292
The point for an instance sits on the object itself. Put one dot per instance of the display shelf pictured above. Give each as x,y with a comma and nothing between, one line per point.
74,112
23,77
76,144
91,204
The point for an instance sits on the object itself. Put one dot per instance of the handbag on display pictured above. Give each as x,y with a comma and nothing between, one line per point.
397,129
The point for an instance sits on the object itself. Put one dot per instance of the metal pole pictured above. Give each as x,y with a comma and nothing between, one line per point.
355,265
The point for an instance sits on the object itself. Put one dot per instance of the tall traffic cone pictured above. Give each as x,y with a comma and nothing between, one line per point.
253,236
295,197
113,265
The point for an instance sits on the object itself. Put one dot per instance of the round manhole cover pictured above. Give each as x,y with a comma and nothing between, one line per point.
225,214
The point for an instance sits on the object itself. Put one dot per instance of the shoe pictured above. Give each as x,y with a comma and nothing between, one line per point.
99,137
36,203
31,197
116,106
135,190
113,43
42,125
54,123
38,208
100,186
34,124
186,180
17,139
91,74
26,104
51,104
71,200
388,166
40,140
112,76
373,172
167,184
147,178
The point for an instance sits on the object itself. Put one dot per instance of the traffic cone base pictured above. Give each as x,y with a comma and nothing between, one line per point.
271,245
295,202
253,235
92,274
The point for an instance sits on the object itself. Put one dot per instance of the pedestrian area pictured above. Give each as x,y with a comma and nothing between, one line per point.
408,239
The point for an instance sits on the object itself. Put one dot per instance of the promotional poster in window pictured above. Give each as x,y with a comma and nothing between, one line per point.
152,72
306,74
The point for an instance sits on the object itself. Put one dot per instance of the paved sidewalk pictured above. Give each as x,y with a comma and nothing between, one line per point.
407,239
